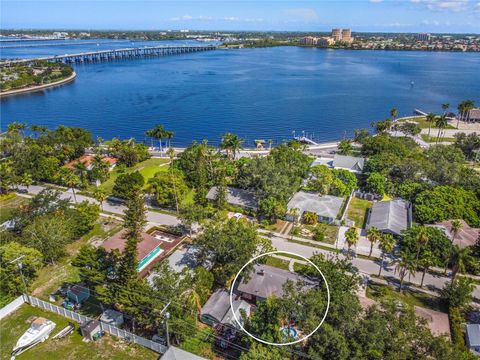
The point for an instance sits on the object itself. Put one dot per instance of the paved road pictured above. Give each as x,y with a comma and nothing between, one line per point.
368,267
108,206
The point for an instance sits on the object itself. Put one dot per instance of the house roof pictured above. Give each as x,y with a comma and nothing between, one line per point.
90,326
183,258
392,216
88,159
111,316
236,196
237,305
474,114
466,236
348,162
144,247
266,281
174,353
473,334
327,206
217,305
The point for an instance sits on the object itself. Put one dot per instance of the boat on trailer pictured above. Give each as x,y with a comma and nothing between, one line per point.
39,331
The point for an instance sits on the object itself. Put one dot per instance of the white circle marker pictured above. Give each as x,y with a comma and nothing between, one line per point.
272,343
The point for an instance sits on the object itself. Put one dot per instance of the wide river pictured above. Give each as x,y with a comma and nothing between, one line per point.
263,93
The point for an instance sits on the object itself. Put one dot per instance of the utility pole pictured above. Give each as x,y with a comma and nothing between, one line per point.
167,316
20,266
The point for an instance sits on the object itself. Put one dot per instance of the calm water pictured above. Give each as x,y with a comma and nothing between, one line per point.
256,93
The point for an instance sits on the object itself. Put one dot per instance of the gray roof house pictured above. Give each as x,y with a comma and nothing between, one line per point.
236,197
473,338
326,207
350,163
217,309
391,217
266,281
174,353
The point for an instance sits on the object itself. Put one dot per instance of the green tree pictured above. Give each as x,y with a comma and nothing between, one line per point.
387,244
170,188
351,237
460,259
32,261
310,218
427,260
128,184
86,216
70,180
345,147
321,179
441,123
191,214
100,195
26,180
272,209
405,264
456,227
458,293
94,264
232,144
373,235
375,183
430,118
158,133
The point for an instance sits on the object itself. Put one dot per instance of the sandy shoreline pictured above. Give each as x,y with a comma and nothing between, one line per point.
38,88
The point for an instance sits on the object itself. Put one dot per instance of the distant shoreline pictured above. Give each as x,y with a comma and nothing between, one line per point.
40,87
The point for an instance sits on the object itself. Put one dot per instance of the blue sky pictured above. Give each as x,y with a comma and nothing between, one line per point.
454,16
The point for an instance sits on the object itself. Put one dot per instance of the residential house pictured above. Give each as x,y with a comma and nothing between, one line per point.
217,310
350,163
244,199
266,281
326,207
175,353
465,237
390,217
473,338
87,160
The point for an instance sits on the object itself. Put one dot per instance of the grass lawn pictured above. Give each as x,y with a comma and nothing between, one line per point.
422,122
147,168
8,204
71,347
50,277
276,262
409,297
189,198
357,211
433,138
201,342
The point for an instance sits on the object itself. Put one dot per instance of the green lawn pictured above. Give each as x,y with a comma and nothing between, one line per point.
189,198
276,262
433,138
409,297
200,342
70,348
8,204
357,211
422,122
147,168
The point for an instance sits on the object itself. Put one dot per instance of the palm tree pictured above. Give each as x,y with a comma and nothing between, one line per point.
373,235
387,243
469,105
81,171
71,180
422,239
351,237
441,123
270,142
461,257
171,155
463,109
38,129
231,143
158,133
169,137
394,113
405,264
456,227
100,168
427,260
294,213
100,195
445,107
345,147
430,118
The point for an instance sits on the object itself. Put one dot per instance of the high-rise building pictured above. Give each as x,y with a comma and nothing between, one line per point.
347,35
422,37
325,41
337,34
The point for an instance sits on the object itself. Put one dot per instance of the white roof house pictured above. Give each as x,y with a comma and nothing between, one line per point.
390,216
350,163
236,197
217,309
326,207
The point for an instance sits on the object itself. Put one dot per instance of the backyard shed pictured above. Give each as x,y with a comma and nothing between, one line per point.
78,294
90,329
112,317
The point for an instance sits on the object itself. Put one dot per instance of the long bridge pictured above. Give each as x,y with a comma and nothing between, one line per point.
105,55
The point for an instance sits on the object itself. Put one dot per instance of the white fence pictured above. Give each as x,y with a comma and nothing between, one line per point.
11,307
112,330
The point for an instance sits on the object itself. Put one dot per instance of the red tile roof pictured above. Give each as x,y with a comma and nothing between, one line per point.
144,247
88,159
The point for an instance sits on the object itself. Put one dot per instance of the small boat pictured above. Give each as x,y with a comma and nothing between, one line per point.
38,331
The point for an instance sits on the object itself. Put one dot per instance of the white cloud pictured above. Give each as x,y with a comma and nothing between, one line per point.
451,5
209,18
302,13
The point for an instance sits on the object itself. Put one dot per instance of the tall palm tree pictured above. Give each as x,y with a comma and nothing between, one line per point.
461,257
422,239
81,171
270,142
456,227
445,107
405,264
71,181
157,133
231,143
430,118
171,155
387,244
100,195
169,137
373,235
469,105
351,237
441,123
345,147
394,113
427,260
